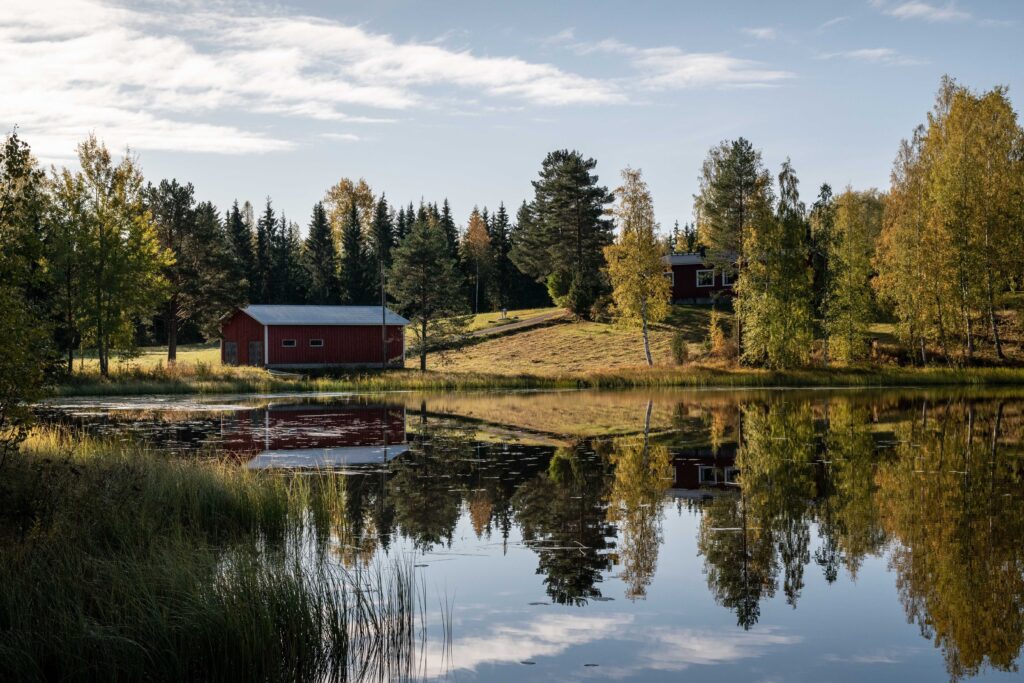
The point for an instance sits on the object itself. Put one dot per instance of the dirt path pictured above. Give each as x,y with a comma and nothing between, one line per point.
520,324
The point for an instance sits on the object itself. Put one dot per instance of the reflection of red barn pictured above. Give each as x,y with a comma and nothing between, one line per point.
312,336
701,470
317,436
696,281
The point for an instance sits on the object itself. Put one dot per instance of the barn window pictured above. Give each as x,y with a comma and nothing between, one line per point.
670,275
288,343
727,279
316,343
705,278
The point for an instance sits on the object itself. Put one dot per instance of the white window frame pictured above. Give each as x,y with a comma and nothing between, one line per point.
671,275
701,272
288,343
318,345
727,279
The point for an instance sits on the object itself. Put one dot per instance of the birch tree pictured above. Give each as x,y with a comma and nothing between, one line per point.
636,261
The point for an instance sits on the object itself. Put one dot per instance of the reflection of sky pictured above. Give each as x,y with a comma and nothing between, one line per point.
847,631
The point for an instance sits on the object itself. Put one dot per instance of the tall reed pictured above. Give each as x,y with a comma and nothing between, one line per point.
120,564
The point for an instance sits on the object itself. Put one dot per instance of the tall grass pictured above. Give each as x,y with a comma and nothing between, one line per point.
121,565
159,380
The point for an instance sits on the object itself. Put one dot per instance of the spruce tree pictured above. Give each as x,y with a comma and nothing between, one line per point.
320,258
382,241
355,287
240,237
502,270
266,227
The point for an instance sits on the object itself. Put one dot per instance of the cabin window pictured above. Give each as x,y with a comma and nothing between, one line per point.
707,474
288,343
727,279
671,277
705,278
316,343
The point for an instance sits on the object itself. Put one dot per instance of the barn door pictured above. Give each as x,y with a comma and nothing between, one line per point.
230,353
256,353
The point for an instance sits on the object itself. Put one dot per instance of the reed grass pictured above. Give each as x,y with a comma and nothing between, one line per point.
214,380
119,564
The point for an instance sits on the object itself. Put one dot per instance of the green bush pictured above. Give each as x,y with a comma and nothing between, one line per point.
680,348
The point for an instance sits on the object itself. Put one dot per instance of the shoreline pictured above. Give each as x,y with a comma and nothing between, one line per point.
169,382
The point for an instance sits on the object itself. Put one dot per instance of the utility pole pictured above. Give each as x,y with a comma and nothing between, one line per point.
383,319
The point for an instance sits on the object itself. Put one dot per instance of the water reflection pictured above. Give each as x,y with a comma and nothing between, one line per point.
787,490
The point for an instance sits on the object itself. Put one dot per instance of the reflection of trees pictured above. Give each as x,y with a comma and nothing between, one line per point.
739,558
642,473
561,514
953,502
424,487
848,519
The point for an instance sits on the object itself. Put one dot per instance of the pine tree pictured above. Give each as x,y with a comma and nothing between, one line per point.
526,290
636,262
401,225
321,260
733,187
202,280
566,240
355,287
426,285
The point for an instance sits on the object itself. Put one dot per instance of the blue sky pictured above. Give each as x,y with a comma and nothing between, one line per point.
463,99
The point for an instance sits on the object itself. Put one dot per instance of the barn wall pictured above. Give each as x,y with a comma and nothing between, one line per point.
241,329
343,344
685,285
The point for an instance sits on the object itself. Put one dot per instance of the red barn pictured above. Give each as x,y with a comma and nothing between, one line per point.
312,336
694,280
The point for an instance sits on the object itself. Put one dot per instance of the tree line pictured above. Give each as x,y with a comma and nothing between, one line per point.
938,252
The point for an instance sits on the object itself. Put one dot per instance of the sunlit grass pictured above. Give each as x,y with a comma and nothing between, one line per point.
122,564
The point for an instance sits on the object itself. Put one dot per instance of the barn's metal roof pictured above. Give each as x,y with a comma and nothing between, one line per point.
267,314
685,259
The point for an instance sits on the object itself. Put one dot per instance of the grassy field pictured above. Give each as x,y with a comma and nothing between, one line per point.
579,348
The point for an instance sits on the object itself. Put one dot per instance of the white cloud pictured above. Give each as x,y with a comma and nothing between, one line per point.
875,55
832,22
914,9
169,79
761,32
667,68
341,137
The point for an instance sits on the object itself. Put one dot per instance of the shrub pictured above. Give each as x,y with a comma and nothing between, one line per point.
718,345
680,348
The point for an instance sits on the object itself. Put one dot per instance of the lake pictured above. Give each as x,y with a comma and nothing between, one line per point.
762,535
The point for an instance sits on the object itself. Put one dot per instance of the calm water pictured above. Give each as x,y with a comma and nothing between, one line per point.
726,536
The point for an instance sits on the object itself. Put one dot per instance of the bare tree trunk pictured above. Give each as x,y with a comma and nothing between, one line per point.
171,318
992,320
423,344
647,342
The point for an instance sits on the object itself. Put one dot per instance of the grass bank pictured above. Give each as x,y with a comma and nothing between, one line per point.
121,565
215,380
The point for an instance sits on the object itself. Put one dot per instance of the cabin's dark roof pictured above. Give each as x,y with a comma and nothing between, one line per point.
267,314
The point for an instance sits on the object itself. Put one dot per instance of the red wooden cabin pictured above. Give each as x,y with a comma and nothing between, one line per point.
694,280
312,336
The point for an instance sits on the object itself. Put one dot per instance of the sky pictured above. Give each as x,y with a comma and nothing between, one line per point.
463,99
